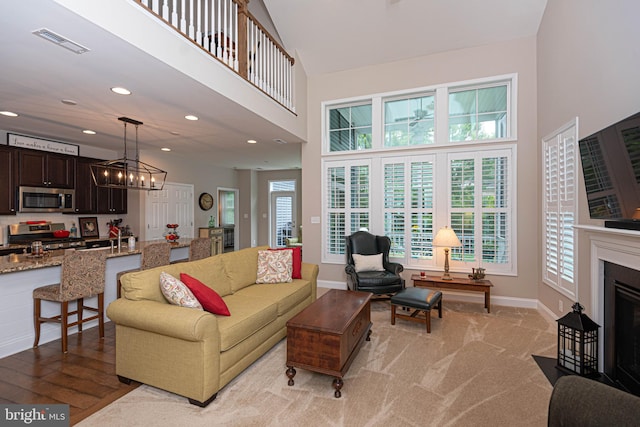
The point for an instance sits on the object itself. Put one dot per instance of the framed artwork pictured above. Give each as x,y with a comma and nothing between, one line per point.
89,226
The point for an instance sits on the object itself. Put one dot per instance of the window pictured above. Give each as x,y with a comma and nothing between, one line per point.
347,207
559,189
409,121
481,208
350,128
408,206
478,114
421,182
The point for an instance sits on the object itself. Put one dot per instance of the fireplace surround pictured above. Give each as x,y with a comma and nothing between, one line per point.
615,301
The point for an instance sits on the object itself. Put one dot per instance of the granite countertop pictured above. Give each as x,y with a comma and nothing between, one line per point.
22,262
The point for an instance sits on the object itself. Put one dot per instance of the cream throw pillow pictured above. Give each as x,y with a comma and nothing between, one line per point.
274,266
177,293
368,262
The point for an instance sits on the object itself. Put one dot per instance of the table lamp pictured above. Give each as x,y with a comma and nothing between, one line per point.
446,238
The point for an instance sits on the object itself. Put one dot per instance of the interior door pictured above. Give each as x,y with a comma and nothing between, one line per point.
283,217
171,205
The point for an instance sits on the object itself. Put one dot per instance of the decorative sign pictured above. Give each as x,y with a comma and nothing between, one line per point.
42,144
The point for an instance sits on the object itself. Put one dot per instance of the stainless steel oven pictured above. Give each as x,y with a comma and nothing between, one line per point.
37,199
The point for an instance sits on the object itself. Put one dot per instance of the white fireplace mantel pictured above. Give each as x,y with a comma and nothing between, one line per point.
613,245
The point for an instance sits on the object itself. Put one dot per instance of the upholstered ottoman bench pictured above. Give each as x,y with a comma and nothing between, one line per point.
421,300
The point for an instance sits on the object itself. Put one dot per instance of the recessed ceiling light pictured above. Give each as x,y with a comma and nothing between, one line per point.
190,117
165,149
121,90
252,141
173,132
89,132
8,113
69,102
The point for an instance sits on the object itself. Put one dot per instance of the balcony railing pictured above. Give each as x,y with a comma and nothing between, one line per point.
228,31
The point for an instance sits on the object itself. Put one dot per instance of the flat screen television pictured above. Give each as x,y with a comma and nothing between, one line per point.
611,168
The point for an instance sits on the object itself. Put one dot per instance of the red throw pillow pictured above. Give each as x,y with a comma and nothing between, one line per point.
208,298
297,260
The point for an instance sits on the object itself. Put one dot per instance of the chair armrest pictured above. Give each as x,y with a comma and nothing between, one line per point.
394,267
165,319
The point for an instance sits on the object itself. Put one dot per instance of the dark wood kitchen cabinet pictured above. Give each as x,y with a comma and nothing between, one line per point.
86,190
111,201
8,172
93,199
42,169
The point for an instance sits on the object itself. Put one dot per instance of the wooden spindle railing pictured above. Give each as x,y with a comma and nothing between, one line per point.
228,31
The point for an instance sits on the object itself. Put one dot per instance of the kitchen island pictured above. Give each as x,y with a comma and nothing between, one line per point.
20,274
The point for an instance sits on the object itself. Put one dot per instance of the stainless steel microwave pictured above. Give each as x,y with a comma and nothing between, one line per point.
37,199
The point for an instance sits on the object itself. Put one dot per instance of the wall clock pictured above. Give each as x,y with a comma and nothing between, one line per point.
205,201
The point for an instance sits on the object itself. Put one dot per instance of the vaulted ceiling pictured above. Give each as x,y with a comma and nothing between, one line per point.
329,35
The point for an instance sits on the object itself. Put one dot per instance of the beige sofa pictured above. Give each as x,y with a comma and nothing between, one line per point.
194,353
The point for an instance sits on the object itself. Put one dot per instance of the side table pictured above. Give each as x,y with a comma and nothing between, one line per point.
456,284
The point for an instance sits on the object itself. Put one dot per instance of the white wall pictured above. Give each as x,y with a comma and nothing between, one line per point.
516,56
588,61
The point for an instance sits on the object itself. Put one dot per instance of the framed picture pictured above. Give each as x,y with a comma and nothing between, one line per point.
89,226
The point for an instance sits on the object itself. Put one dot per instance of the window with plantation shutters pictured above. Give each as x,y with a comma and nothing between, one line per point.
480,209
408,207
560,168
347,204
405,164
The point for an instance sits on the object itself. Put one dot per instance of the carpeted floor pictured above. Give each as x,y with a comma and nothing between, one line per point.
474,369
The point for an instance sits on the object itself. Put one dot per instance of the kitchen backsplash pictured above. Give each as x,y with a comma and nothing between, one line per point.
67,220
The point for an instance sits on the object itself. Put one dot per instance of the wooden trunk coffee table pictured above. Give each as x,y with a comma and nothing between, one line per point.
326,336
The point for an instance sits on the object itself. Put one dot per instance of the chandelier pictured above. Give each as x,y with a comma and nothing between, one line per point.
128,174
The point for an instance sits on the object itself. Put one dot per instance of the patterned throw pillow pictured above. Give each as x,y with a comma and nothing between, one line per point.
211,301
274,266
177,293
297,260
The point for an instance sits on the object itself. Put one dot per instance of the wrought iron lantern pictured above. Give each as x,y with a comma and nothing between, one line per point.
578,343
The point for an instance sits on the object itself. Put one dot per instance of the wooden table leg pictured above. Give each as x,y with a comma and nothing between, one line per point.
487,300
291,372
337,384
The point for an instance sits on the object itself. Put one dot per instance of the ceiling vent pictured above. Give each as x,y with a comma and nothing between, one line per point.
60,41
280,141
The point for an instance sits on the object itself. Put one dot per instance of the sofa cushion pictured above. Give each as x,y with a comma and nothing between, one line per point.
297,260
241,267
250,314
274,266
177,293
209,298
285,295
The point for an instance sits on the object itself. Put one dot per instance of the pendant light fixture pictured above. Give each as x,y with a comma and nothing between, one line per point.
128,174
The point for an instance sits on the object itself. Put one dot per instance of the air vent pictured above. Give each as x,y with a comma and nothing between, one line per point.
60,41
280,141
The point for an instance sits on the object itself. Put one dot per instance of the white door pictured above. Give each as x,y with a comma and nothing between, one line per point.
283,217
171,205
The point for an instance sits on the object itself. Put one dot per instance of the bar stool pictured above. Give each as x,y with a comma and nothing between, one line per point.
199,248
153,255
82,276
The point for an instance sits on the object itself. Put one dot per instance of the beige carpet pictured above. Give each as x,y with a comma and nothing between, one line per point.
474,369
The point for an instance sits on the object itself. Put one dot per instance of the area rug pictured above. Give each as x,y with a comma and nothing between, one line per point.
473,369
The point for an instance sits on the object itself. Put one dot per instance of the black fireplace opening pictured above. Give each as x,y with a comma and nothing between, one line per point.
622,326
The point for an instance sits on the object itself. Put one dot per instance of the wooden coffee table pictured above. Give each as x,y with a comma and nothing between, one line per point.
456,284
326,336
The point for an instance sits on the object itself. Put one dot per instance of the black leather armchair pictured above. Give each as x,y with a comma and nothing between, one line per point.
385,282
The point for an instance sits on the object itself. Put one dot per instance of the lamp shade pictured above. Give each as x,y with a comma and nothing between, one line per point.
446,237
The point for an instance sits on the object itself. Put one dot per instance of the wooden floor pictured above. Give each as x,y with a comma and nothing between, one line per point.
84,378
